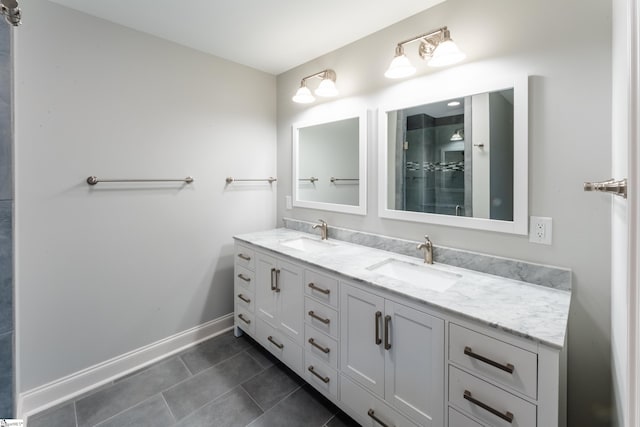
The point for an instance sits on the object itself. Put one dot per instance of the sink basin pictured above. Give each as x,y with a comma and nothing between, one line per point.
306,245
423,276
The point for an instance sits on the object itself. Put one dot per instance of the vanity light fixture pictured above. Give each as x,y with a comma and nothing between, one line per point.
435,46
458,135
453,104
326,88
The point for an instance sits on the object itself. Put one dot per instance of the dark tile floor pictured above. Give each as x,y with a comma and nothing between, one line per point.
222,382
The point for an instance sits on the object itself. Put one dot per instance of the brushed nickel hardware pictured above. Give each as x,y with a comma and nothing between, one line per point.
427,246
11,12
323,229
507,416
315,288
334,180
377,322
273,280
479,145
93,180
458,210
277,289
243,298
247,321
313,342
387,341
272,341
507,368
243,277
321,319
230,180
323,379
372,414
310,179
244,257
619,188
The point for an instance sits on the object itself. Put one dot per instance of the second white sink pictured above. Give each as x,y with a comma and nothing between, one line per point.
306,245
423,276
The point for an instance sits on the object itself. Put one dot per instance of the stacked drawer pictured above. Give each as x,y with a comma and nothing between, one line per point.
321,332
244,289
491,382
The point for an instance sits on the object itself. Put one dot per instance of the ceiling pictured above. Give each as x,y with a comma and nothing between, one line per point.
269,35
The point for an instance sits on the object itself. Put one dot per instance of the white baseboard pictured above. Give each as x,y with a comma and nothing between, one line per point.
66,388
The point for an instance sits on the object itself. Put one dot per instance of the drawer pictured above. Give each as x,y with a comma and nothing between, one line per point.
245,320
482,351
487,402
244,278
245,257
456,419
321,287
279,345
325,319
320,375
366,408
244,299
317,343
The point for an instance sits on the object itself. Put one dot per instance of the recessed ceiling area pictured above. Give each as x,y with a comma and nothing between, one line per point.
273,36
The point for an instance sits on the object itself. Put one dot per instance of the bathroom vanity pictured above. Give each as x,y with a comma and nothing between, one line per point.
394,342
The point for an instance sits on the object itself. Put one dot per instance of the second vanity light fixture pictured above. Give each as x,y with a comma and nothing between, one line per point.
435,46
326,88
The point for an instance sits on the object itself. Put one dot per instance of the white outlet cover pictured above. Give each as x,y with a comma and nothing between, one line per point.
287,201
540,230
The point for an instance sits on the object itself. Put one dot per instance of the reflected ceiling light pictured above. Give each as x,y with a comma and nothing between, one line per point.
11,12
435,46
458,135
453,104
326,88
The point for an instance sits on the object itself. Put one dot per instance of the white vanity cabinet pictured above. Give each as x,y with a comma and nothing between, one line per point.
244,288
394,352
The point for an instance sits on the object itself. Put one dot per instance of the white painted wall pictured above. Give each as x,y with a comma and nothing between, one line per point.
569,142
103,271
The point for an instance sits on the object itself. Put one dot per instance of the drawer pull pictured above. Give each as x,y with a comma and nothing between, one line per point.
321,319
315,288
243,277
244,257
323,379
280,346
313,342
507,416
377,322
387,341
241,317
275,278
507,368
372,414
243,298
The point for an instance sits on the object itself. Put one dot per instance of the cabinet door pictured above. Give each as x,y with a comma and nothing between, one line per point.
290,301
265,296
361,355
414,363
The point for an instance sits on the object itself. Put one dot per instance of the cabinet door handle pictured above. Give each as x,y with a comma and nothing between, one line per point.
243,298
387,341
243,277
280,346
244,257
323,379
315,288
321,319
372,414
507,368
273,279
241,317
277,289
507,416
377,322
313,342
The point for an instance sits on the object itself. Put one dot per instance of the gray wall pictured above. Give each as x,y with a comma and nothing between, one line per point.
570,83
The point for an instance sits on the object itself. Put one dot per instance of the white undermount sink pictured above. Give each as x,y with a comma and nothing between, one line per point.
424,276
306,244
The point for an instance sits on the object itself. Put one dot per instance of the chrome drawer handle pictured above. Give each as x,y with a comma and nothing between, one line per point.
507,368
323,379
280,346
507,416
313,342
247,321
315,288
372,414
243,277
321,319
243,298
244,257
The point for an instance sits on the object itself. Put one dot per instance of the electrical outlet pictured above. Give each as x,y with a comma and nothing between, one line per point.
287,201
540,230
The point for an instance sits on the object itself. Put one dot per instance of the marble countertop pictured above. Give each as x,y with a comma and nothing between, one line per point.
530,311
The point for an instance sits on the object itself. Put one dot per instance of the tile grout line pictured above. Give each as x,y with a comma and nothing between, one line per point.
75,412
175,420
276,404
185,365
123,411
329,420
251,397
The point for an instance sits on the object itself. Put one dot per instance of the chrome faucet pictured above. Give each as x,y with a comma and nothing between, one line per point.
323,229
428,250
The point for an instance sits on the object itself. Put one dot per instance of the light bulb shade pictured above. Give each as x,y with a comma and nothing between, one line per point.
400,67
446,53
457,136
327,88
303,96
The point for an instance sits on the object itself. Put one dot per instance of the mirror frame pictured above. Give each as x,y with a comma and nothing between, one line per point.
329,117
471,85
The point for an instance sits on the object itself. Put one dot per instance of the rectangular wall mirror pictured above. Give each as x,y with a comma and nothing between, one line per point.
329,163
458,159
